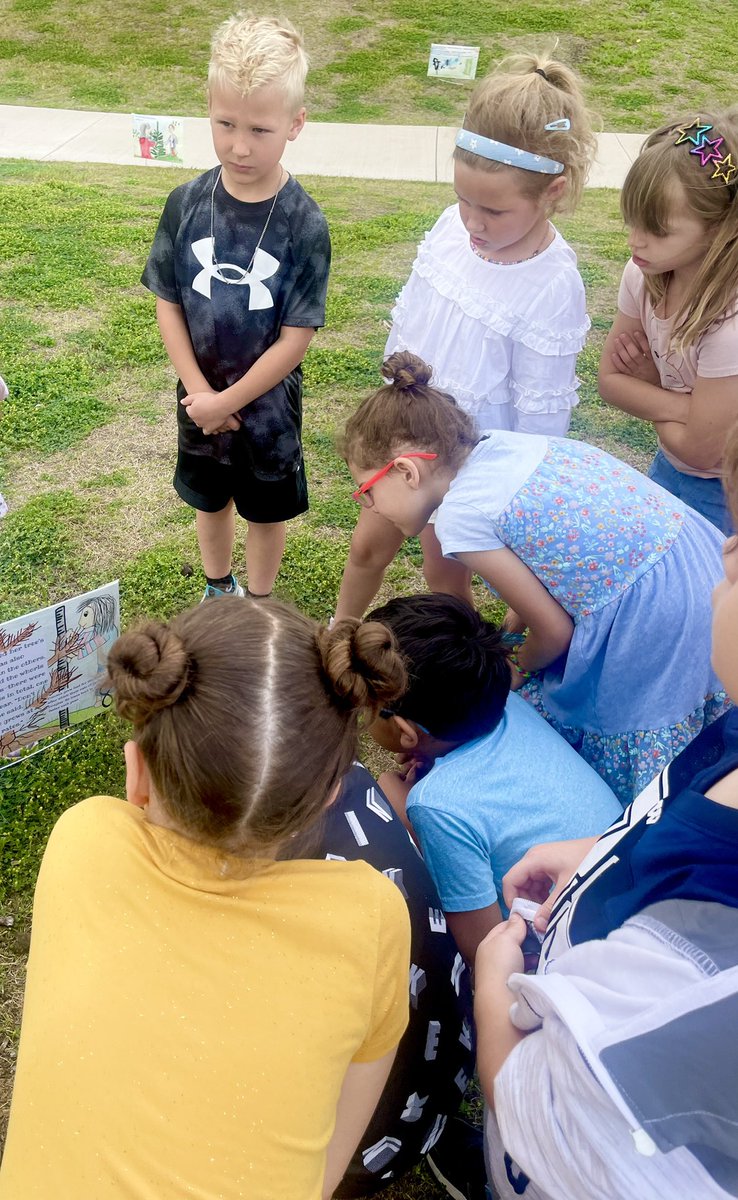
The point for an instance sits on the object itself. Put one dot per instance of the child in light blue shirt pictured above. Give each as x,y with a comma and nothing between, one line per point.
488,777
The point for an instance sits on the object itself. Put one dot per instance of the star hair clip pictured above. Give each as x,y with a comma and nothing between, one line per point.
710,151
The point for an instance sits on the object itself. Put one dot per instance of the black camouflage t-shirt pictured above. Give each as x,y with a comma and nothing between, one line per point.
233,317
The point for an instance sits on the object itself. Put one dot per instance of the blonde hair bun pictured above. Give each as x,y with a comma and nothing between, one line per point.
361,663
406,371
149,670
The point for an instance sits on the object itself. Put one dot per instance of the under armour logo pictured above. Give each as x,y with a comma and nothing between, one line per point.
263,267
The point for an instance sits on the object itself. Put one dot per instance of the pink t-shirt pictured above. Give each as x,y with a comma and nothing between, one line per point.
714,356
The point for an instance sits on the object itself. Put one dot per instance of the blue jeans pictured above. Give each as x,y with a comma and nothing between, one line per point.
704,495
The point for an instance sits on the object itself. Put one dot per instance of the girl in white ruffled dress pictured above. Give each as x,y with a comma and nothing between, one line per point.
494,301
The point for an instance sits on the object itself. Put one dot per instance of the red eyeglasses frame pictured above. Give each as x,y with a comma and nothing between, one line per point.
365,487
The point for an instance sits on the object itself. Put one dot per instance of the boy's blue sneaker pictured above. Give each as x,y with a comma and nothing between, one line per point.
234,589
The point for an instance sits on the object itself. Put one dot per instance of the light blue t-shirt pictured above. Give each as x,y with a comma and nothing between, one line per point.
483,805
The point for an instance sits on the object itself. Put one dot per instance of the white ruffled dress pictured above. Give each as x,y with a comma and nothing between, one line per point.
503,340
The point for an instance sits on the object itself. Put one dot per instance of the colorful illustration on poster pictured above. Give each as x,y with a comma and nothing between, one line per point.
158,138
52,667
453,62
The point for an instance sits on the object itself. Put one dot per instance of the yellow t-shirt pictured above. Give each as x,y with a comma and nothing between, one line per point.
188,1019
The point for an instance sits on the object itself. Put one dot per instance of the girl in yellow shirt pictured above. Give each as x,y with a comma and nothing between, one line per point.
206,1015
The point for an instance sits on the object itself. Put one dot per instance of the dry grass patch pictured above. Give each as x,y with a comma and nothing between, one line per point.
67,322
143,452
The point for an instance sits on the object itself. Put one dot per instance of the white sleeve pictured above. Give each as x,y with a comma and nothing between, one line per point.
544,389
543,365
559,1113
558,1125
460,527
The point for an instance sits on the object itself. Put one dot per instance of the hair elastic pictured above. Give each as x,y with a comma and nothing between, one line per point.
540,71
511,156
709,151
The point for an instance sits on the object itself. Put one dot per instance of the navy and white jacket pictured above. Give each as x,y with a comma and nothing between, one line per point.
628,1085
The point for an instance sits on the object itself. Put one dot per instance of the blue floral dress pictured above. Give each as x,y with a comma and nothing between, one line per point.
634,568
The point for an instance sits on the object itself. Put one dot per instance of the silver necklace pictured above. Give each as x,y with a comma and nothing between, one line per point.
496,262
216,264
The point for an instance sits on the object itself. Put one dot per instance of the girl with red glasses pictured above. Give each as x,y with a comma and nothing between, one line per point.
609,574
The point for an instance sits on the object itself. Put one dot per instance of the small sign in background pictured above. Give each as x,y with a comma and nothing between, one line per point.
453,62
52,667
158,139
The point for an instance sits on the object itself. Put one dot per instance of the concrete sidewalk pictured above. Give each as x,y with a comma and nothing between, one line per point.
415,152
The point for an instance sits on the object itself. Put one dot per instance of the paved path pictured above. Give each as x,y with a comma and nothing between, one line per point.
417,152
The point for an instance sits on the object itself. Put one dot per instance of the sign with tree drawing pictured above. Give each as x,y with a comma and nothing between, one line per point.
52,667
158,139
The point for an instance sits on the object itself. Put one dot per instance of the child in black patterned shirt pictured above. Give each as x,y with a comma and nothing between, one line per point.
240,267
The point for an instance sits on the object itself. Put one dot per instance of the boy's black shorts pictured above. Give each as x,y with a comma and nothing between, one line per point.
207,484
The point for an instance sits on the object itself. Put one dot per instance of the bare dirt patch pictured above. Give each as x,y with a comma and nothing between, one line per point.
141,450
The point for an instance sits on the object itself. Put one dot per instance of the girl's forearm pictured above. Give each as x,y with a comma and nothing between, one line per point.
674,437
541,649
685,445
551,627
641,399
700,443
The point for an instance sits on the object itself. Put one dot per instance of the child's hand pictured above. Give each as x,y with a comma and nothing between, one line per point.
411,767
632,356
499,954
543,872
206,410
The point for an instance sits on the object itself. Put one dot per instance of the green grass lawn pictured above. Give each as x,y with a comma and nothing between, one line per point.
641,60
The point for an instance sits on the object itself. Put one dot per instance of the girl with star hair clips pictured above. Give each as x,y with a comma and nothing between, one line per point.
671,356
494,301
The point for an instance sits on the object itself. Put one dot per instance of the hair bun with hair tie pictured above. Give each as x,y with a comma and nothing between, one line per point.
406,371
149,669
361,662
540,71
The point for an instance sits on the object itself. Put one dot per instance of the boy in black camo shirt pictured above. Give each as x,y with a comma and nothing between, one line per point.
239,266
